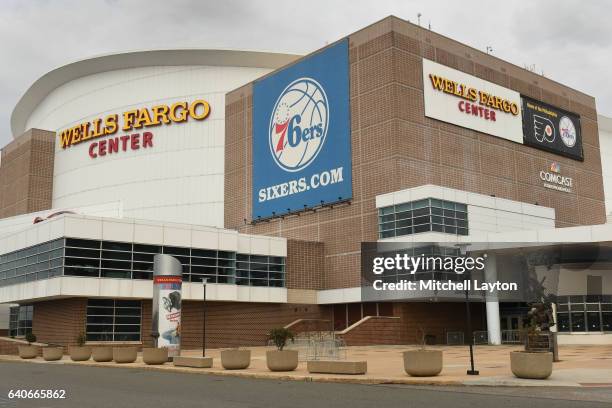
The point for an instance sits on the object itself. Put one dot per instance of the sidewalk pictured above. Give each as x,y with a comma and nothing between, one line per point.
581,366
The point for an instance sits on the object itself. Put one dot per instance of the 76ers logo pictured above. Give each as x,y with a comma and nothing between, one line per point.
298,124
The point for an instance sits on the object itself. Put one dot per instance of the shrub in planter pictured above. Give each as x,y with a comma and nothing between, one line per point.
422,362
52,353
279,359
235,359
29,350
536,362
154,355
30,338
80,352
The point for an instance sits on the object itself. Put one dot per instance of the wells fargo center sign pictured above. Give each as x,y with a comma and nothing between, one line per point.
464,100
134,126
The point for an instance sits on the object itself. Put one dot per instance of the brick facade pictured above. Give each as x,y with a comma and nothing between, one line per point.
437,319
233,324
373,330
59,321
395,147
26,173
304,266
9,347
413,319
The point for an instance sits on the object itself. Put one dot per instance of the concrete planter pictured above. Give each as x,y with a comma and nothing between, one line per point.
79,353
536,366
102,354
52,353
235,359
285,360
123,355
423,363
28,351
194,362
155,356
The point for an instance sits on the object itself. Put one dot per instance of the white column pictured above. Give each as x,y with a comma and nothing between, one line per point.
492,302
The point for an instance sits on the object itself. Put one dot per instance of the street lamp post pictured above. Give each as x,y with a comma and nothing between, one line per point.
204,280
471,371
468,315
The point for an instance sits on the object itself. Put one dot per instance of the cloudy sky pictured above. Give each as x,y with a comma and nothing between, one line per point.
569,41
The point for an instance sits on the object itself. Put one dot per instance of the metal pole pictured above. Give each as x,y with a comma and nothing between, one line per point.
470,334
204,280
463,251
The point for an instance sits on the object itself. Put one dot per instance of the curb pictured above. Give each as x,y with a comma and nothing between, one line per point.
439,381
243,374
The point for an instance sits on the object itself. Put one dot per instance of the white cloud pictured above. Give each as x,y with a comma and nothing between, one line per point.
568,40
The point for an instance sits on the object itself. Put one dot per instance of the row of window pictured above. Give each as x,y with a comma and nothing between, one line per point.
584,313
38,262
106,259
423,216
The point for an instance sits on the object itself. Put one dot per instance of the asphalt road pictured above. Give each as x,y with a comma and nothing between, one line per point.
122,387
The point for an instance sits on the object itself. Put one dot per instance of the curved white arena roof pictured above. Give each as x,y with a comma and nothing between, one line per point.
134,59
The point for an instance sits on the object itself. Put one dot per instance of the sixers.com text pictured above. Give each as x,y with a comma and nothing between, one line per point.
301,184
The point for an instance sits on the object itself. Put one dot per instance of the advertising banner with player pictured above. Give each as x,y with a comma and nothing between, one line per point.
302,135
552,129
169,317
167,300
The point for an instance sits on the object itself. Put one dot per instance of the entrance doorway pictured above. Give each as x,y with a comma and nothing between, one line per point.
513,322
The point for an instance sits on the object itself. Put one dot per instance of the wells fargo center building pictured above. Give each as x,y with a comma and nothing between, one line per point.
264,172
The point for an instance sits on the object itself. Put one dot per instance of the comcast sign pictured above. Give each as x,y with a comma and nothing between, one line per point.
553,179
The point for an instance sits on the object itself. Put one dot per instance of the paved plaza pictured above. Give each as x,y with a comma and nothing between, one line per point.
580,366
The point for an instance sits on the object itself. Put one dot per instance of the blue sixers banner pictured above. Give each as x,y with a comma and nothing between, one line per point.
301,135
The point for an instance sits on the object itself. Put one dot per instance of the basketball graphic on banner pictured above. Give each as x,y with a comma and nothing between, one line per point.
568,131
298,124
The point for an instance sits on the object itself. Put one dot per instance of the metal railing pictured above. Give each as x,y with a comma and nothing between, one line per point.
512,337
454,338
481,337
322,345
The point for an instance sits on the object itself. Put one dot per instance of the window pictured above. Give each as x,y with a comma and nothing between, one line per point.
126,260
258,270
113,320
422,216
41,261
20,320
584,313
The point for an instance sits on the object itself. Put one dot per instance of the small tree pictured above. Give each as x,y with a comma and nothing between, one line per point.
30,338
280,336
81,339
541,299
422,338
